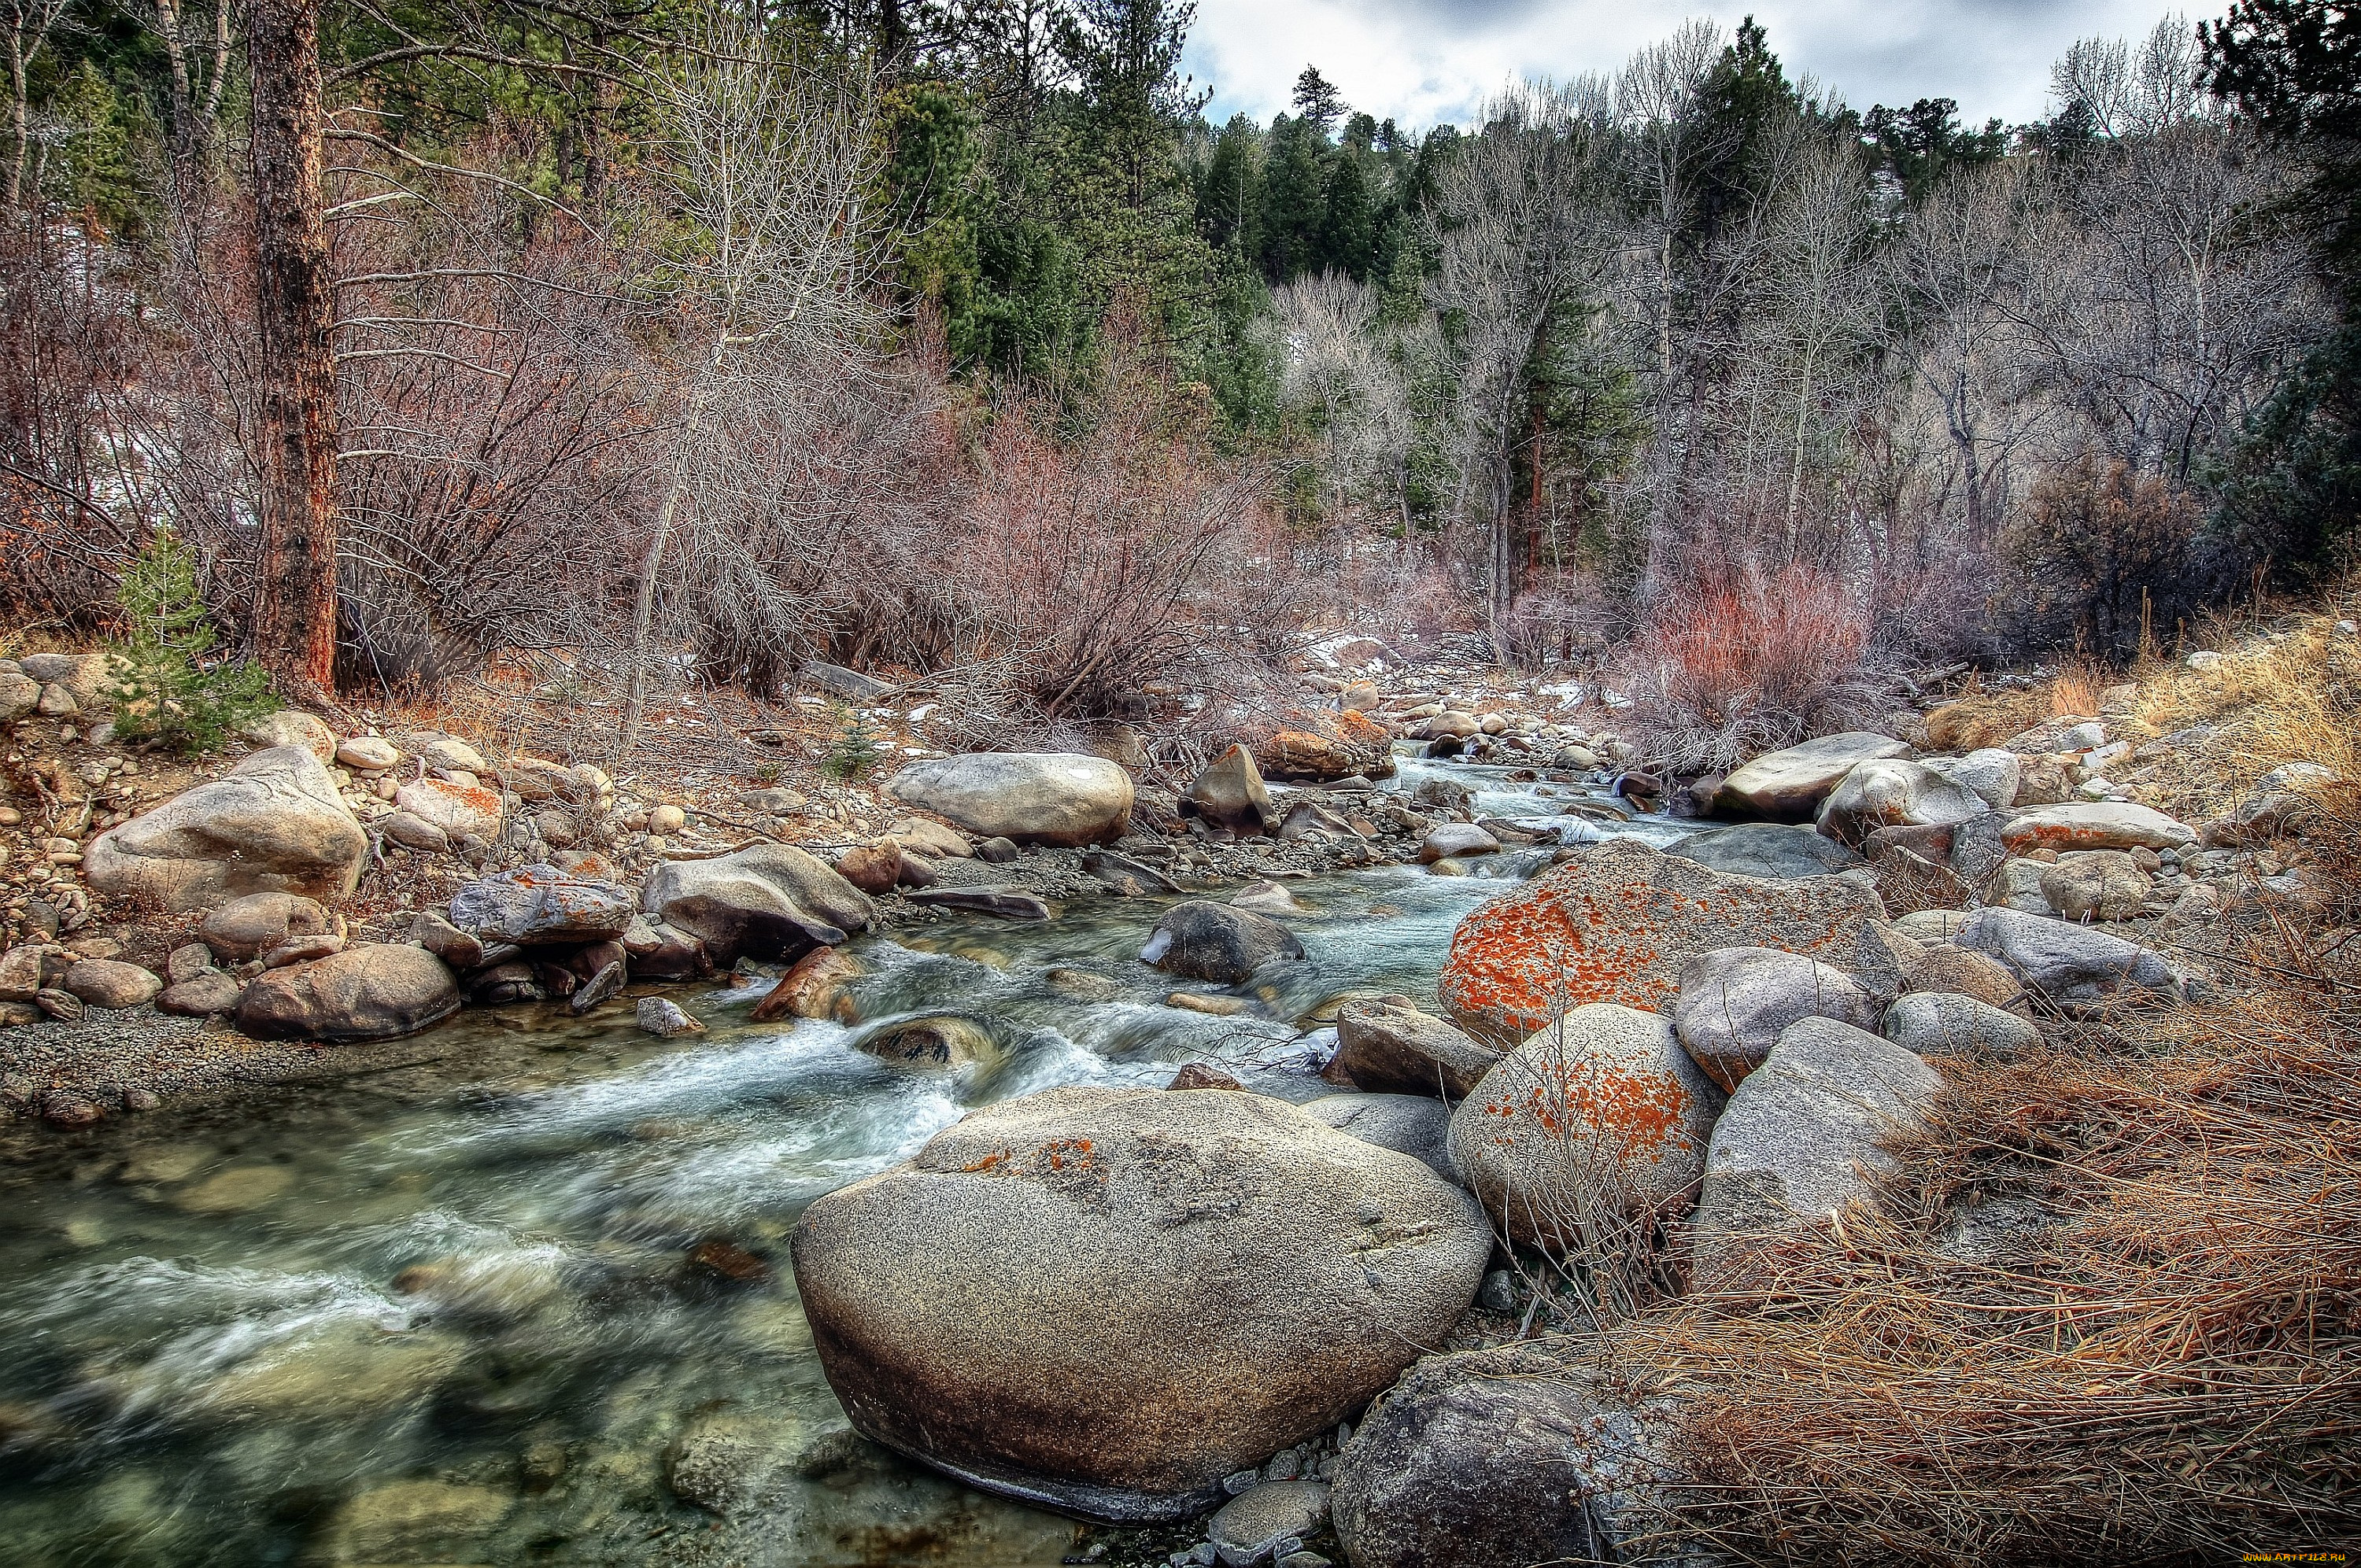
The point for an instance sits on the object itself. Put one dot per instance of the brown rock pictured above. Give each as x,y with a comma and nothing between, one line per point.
368,992
813,989
1198,1075
1388,1050
1230,794
1944,968
875,869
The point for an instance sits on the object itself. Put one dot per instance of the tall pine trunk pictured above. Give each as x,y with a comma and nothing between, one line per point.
295,606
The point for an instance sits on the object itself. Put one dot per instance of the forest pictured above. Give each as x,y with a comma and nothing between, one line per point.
639,346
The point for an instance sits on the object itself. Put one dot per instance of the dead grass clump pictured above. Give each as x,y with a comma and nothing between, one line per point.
1980,717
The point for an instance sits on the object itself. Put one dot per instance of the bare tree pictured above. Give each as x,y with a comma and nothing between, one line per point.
29,22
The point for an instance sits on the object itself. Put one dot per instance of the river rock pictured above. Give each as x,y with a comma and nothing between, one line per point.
1941,1023
366,992
1358,746
1252,1526
274,822
249,927
1029,797
813,989
1788,786
940,1042
1992,773
110,983
2095,884
538,905
19,695
875,869
662,1016
932,838
2094,825
1735,1003
2062,960
1601,1114
1107,1300
1388,1050
1505,1458
1799,1135
459,810
1203,940
292,727
1891,794
1768,850
1618,923
1450,841
207,995
368,754
1229,793
767,902
1413,1124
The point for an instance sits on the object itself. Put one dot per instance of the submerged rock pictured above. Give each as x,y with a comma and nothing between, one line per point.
1107,1300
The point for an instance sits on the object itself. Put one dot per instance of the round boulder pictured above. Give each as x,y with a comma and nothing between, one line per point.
940,1042
107,983
1945,1023
250,927
1029,798
368,992
1736,1002
1894,793
1601,1114
1107,1300
2095,884
767,901
1203,940
1787,787
274,822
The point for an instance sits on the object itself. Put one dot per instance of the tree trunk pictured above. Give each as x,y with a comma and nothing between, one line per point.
18,132
295,603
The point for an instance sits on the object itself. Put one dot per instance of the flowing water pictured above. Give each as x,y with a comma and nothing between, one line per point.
492,1307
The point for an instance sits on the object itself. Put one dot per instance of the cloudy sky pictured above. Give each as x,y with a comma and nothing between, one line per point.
1423,60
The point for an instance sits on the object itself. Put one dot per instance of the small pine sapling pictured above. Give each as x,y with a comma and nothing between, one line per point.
857,748
166,693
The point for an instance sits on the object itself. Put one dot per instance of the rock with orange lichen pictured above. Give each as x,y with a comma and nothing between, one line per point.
1618,923
1600,1114
1325,747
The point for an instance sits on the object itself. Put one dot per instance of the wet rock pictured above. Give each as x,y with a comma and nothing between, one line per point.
274,822
1059,797
815,988
767,901
1082,985
1388,1050
1892,794
1203,940
740,1463
1767,851
1735,1003
1601,1114
1618,922
249,927
938,1042
1800,1137
403,1519
1503,1459
2095,884
1267,898
538,905
1202,1075
1414,1124
1002,903
1454,841
2094,825
1212,1006
1789,786
65,1108
1251,1527
462,950
659,1015
1940,1024
1230,794
1107,1300
1127,876
508,981
208,995
606,982
2062,960
112,984
366,992
661,951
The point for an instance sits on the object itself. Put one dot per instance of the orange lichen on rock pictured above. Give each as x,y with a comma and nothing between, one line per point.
1616,924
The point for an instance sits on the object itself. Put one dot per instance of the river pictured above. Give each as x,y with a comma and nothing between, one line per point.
478,1308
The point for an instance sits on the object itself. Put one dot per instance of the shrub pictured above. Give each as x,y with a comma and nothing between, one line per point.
165,691
857,748
1750,664
2098,559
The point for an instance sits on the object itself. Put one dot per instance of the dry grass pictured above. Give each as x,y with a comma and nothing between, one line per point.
1980,717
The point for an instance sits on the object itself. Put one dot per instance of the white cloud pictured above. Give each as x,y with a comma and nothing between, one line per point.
1423,60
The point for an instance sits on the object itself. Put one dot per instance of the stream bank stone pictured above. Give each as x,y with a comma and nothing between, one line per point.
1031,797
366,992
1788,786
274,822
1107,1300
767,901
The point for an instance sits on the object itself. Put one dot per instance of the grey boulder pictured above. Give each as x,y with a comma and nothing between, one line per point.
274,822
1943,1024
1894,793
1787,787
1992,773
767,901
2095,884
1203,940
1252,1526
1767,850
1407,1124
1735,1003
2094,825
1029,797
366,993
538,905
2062,960
1389,1049
1106,1300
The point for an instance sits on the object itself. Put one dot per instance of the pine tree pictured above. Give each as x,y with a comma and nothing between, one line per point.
165,693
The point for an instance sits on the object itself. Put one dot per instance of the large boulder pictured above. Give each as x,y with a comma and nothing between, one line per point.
459,810
1992,773
538,905
366,993
2062,959
1229,793
1346,745
2094,825
766,901
110,983
1618,922
1944,1023
1894,793
2095,884
1391,1050
1203,940
1602,1113
250,927
1735,1003
1767,850
1413,1124
273,823
1800,1138
19,695
1106,1300
1788,786
292,727
1505,1458
1029,798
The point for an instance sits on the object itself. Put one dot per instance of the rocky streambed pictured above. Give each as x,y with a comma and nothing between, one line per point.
523,1295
